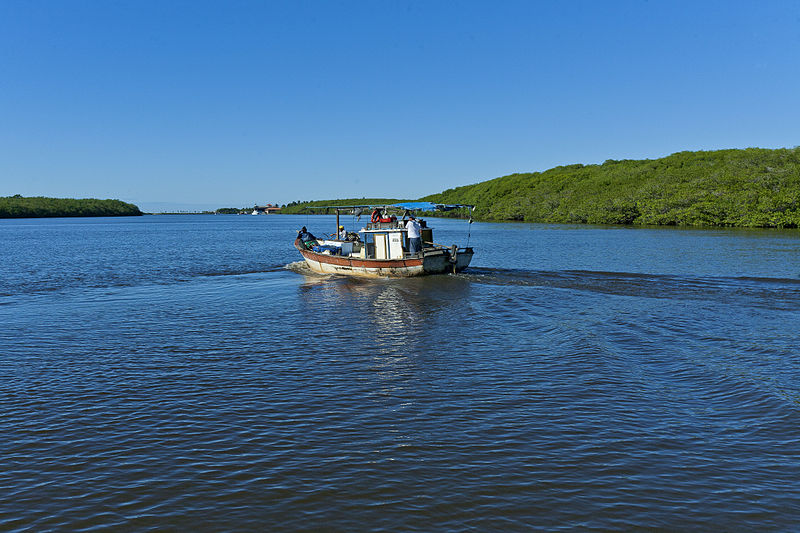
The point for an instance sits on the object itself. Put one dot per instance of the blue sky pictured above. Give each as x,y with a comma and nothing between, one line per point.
211,104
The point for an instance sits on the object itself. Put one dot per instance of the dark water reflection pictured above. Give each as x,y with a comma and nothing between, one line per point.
203,385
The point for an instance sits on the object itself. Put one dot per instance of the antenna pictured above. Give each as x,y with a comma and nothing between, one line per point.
469,231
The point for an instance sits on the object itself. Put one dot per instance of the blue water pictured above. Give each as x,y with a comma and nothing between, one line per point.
186,372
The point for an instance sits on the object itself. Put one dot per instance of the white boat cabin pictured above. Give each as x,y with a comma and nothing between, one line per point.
379,240
390,243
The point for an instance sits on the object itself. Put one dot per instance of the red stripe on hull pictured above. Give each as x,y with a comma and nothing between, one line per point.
361,263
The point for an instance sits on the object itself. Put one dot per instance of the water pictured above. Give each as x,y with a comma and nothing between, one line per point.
172,373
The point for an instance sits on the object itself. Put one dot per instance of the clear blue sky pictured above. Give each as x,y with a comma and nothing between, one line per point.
229,103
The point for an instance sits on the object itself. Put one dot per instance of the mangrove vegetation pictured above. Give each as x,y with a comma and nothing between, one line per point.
18,206
746,188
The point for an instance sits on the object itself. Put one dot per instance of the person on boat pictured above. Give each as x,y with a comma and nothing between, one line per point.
342,234
414,235
306,238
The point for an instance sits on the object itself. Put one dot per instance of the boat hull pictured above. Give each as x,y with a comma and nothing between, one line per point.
432,261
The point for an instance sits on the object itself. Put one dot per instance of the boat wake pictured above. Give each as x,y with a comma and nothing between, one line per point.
301,267
773,293
242,272
115,280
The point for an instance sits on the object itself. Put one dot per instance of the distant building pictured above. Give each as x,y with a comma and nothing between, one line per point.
266,209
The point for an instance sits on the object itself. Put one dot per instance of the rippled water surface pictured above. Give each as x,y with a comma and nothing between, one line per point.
186,372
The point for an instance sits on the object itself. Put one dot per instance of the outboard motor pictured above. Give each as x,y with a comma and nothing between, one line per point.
454,256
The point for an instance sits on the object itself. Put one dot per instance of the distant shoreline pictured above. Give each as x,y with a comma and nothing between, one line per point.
19,206
740,188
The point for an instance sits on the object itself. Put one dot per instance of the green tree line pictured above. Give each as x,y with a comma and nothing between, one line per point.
39,206
752,187
317,206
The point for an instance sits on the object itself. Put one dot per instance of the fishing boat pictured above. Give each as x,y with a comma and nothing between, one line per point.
381,247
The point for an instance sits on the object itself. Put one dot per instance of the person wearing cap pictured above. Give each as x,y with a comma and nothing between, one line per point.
414,235
342,234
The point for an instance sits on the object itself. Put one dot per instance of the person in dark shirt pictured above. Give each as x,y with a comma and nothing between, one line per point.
306,238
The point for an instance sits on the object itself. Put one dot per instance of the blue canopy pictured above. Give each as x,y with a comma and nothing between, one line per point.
428,206
416,206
